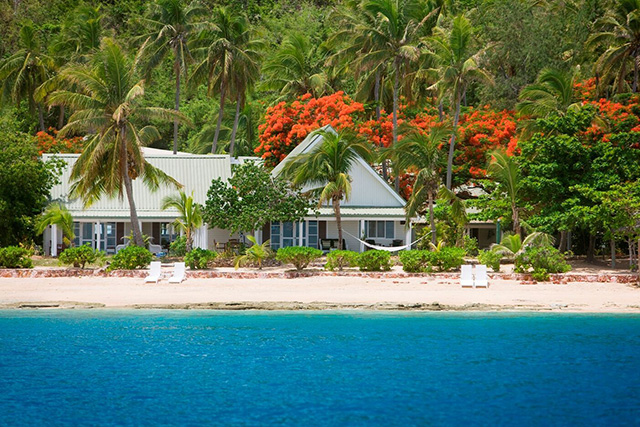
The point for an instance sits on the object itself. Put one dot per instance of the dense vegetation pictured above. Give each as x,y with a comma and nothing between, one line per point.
534,102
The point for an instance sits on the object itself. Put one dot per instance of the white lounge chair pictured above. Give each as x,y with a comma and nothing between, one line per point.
481,276
466,276
154,272
178,273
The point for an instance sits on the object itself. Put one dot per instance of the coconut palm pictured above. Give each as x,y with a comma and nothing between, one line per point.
326,168
423,153
551,93
170,24
620,35
225,44
457,66
57,214
105,97
296,68
24,71
512,245
256,253
504,169
190,218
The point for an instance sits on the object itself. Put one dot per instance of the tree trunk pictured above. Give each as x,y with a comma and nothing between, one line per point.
124,169
177,108
432,221
452,142
188,241
440,111
232,141
591,251
41,117
223,96
61,118
336,210
376,98
612,245
396,81
563,241
516,221
635,74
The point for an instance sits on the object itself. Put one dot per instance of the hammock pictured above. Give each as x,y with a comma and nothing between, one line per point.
386,248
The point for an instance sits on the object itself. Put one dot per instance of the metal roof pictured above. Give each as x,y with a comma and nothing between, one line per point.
194,172
364,212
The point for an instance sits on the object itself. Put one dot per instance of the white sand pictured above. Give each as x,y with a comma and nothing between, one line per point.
334,292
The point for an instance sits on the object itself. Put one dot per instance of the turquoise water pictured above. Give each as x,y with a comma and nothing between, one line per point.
339,368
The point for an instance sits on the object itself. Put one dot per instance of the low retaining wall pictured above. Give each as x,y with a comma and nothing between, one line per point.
293,274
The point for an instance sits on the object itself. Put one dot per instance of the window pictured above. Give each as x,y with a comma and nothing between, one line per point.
380,230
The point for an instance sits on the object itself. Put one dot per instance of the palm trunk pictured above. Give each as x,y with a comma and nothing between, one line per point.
376,97
452,142
612,245
61,117
223,96
135,223
41,117
635,75
188,245
396,81
432,221
177,108
336,210
440,111
236,119
516,221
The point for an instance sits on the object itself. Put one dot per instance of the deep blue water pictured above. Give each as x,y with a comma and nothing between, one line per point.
341,368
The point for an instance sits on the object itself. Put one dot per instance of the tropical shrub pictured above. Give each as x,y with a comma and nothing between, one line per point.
199,258
299,256
255,254
374,260
470,245
416,261
178,247
541,261
131,258
79,256
15,257
448,258
341,259
490,259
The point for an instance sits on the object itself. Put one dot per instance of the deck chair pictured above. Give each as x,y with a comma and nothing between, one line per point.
154,272
178,273
481,276
466,276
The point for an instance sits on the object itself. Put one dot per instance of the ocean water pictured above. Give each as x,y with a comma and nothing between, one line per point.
322,368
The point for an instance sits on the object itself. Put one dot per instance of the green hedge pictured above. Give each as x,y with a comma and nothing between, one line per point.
131,258
341,259
374,260
540,261
199,258
299,256
15,257
490,259
421,261
80,256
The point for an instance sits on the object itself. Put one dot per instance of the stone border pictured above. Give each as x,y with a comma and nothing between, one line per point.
293,274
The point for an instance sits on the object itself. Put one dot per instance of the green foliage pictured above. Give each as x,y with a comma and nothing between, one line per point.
131,258
299,256
470,245
541,261
448,258
416,261
341,259
80,256
15,257
490,259
374,260
178,247
255,254
199,258
250,199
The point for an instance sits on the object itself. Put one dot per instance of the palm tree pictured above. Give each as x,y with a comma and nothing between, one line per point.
551,93
422,152
504,169
458,66
105,97
57,214
225,44
327,167
190,218
296,68
255,253
512,245
620,35
24,71
170,25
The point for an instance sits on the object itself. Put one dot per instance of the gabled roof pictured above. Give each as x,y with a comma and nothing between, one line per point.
368,189
194,172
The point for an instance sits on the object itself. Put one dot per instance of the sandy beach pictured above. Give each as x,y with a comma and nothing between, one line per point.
318,292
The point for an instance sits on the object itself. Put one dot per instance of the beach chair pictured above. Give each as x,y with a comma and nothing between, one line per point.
154,272
178,273
481,276
466,276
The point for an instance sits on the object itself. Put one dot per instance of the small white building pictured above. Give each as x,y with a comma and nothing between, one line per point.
375,212
106,224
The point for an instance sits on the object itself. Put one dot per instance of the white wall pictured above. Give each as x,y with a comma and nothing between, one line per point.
352,226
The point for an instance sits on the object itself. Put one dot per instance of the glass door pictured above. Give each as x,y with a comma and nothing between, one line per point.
288,234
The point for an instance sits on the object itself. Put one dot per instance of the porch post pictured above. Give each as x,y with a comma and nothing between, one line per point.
98,235
54,240
362,231
408,235
300,239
